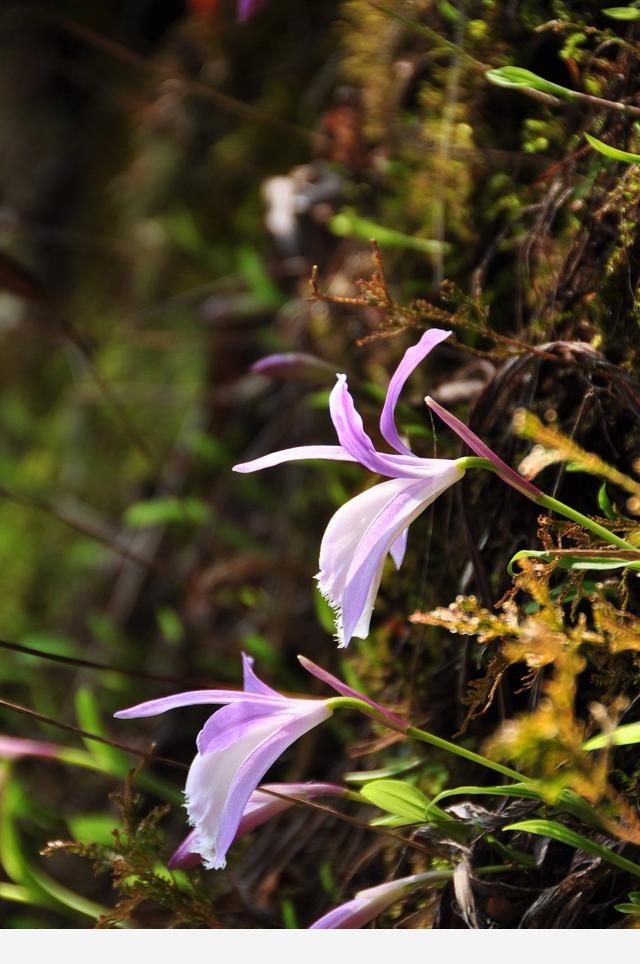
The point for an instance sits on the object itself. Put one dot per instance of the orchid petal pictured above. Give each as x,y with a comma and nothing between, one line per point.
354,440
412,358
261,807
186,854
506,473
349,692
229,724
220,782
343,533
301,452
399,547
294,365
365,571
369,904
251,683
364,908
194,698
343,548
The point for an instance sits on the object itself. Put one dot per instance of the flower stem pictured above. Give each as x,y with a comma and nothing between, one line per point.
415,733
347,702
554,505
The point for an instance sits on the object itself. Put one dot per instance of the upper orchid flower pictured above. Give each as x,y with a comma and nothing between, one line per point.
239,743
373,524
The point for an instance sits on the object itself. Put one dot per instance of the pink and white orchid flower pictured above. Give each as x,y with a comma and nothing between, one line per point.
373,524
239,743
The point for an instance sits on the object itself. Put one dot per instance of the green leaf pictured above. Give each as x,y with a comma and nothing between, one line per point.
89,719
251,267
622,13
628,908
525,791
14,892
569,561
519,77
368,776
390,821
397,798
348,224
625,735
604,502
557,831
527,554
170,625
168,510
90,828
612,152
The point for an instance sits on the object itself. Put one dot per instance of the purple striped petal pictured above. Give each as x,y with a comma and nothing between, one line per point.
399,547
293,365
187,854
194,698
229,724
260,808
220,781
354,440
506,473
334,452
360,535
365,572
412,358
369,904
350,693
251,683
343,533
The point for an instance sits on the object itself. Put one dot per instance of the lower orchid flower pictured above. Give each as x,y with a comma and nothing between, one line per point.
262,806
239,743
369,904
374,524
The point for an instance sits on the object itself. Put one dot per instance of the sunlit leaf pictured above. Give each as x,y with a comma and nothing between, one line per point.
625,735
168,510
614,153
398,798
557,831
519,77
347,224
622,13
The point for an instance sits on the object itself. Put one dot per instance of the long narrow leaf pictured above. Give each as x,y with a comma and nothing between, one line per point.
557,831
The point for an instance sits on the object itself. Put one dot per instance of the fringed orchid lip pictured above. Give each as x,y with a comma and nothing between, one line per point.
375,523
261,807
